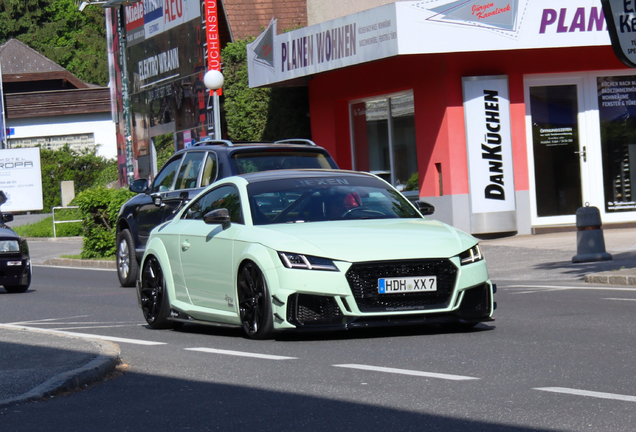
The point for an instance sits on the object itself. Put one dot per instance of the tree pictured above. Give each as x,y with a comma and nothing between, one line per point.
83,167
58,30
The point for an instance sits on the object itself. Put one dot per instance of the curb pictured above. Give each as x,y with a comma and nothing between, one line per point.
70,262
612,278
106,362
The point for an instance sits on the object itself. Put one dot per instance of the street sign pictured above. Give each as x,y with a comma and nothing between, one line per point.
621,25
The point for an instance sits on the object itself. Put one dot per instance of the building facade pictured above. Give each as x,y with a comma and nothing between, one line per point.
48,106
506,115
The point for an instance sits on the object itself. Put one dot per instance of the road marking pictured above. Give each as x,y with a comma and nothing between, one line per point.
407,372
44,321
84,335
241,354
619,299
73,268
599,395
564,288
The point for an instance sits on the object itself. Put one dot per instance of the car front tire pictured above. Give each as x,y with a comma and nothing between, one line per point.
127,266
24,286
155,304
255,306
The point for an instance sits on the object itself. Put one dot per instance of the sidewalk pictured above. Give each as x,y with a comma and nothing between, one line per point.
546,257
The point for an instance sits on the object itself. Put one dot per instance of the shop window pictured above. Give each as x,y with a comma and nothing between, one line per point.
617,112
383,139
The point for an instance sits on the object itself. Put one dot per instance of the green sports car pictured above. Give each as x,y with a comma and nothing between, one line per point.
310,250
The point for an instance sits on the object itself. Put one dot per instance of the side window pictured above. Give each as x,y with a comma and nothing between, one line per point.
189,171
209,170
222,197
165,179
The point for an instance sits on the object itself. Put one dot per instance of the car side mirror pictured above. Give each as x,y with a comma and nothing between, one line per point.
138,186
425,208
218,216
7,217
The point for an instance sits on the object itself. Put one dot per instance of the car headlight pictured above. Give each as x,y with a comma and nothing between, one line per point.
472,255
9,246
307,262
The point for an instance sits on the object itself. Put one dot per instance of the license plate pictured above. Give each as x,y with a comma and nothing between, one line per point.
407,284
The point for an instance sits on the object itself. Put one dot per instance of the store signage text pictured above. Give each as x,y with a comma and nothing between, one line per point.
212,35
159,64
581,20
488,10
329,45
489,146
494,190
621,26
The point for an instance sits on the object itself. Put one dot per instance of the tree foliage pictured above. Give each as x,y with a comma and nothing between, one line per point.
254,114
84,167
99,208
57,29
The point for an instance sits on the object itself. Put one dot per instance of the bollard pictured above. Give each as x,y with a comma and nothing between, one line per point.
590,244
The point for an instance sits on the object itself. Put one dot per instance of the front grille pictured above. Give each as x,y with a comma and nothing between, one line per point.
306,309
475,303
363,280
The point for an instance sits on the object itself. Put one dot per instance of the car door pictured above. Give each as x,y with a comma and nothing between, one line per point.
186,182
206,250
149,215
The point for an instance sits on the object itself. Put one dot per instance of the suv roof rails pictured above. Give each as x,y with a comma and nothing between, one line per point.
213,142
296,141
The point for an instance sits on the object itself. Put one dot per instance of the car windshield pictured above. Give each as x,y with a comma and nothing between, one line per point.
309,199
269,160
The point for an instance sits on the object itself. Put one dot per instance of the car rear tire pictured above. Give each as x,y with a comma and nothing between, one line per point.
255,306
155,304
127,266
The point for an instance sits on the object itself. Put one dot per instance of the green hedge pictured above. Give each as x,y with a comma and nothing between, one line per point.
99,208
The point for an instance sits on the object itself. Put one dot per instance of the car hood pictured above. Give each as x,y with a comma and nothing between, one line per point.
6,232
369,240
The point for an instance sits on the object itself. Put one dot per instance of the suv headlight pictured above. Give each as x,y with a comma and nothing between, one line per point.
307,262
472,255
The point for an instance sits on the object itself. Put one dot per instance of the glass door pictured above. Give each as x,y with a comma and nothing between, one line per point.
557,150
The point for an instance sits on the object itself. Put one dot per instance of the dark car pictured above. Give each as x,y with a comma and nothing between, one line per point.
15,262
186,173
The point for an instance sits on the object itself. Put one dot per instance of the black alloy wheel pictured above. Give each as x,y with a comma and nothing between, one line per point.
154,298
127,266
254,303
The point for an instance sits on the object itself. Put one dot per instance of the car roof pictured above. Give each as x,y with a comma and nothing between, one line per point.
242,146
301,174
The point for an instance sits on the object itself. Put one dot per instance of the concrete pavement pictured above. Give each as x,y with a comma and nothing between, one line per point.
58,362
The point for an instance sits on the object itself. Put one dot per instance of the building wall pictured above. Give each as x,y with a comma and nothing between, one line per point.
324,10
436,82
99,124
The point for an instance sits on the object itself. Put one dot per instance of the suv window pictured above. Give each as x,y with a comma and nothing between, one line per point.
189,171
165,179
223,197
272,160
210,170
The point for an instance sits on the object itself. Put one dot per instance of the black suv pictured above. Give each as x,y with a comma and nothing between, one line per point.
186,173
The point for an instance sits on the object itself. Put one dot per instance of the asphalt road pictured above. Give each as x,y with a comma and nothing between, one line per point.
560,356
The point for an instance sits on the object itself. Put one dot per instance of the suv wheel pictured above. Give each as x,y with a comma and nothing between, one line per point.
127,266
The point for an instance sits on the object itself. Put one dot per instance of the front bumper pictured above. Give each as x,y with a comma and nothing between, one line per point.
321,313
